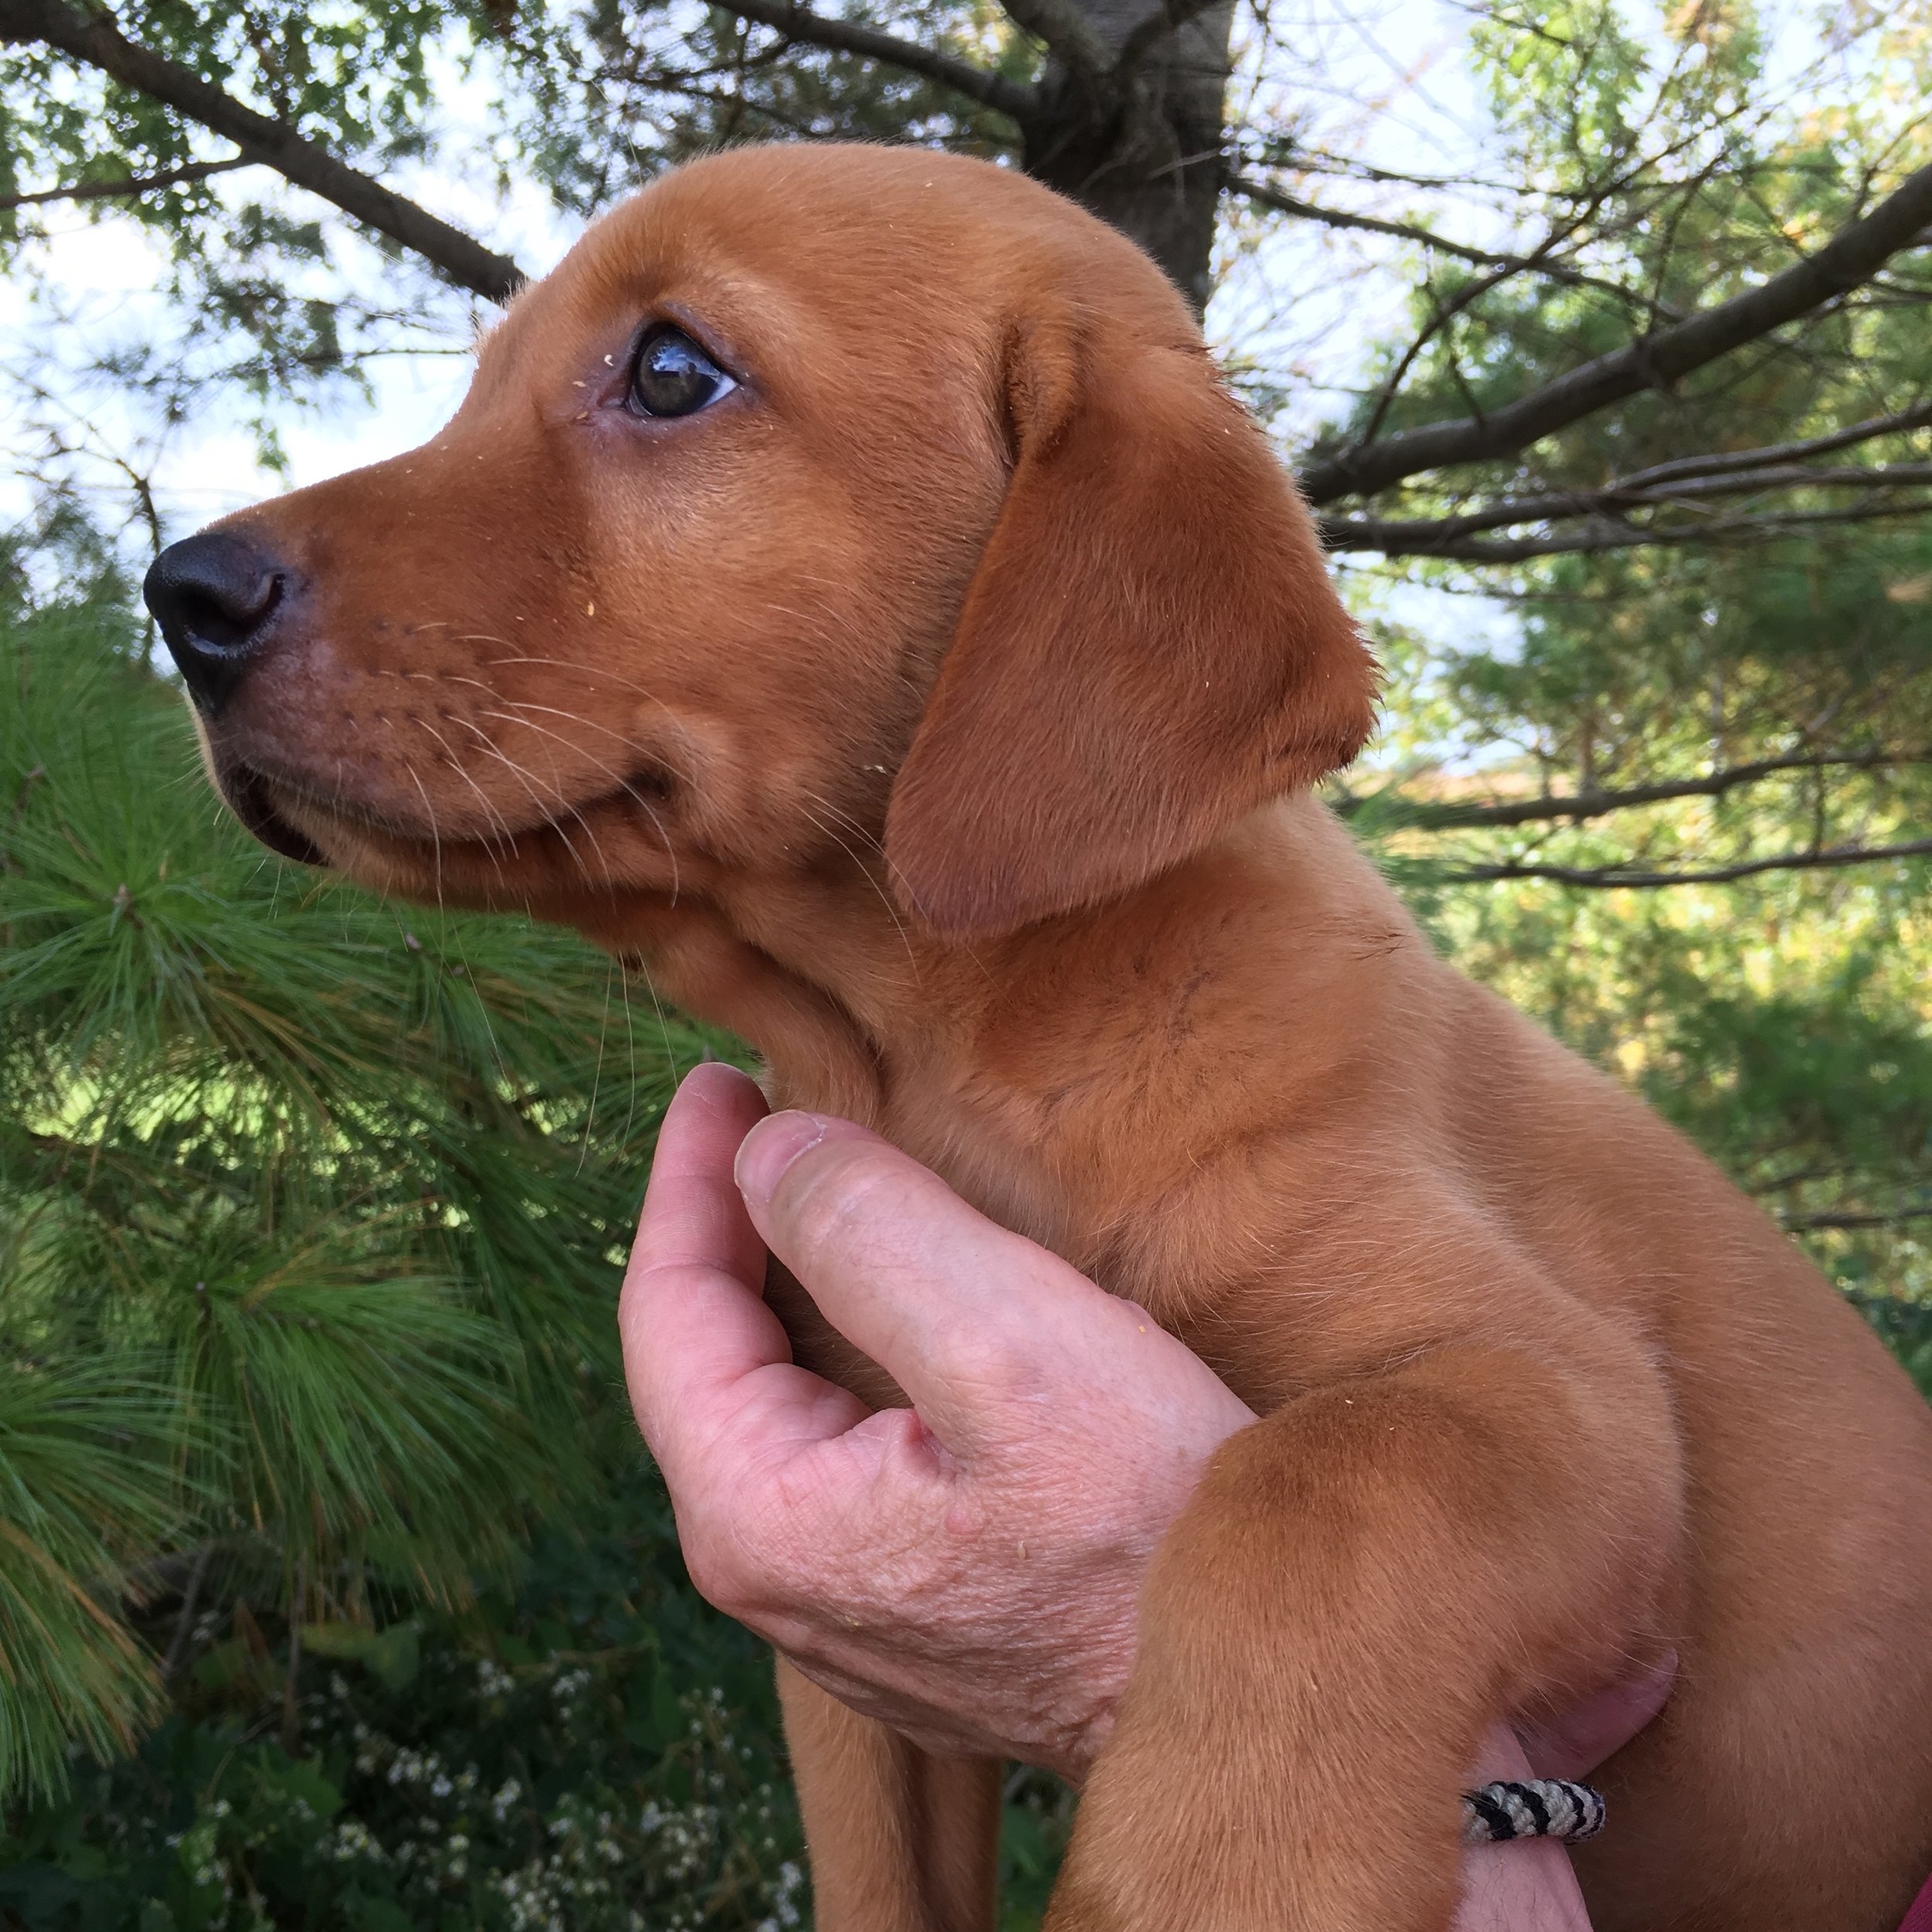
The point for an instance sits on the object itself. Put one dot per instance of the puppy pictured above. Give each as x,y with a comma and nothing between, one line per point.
847,594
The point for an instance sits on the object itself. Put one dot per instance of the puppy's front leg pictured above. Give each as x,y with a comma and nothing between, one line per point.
900,1840
1363,1581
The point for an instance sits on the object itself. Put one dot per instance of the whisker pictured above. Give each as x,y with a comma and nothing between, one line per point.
623,784
543,805
865,872
577,670
857,830
490,811
589,724
596,1072
436,835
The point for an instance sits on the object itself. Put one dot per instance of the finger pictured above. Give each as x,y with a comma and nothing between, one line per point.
692,1209
1525,1885
1574,1744
691,1316
946,1301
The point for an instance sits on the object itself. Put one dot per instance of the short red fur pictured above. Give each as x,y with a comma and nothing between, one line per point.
939,710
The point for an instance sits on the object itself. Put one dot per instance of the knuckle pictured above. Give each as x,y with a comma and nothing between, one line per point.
719,1573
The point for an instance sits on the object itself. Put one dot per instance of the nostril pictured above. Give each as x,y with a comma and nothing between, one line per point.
230,617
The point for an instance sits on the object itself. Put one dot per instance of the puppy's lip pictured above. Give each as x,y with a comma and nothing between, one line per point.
250,793
247,792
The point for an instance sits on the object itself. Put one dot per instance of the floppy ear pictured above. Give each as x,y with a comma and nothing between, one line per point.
1149,648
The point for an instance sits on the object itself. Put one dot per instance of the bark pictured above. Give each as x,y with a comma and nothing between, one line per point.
1143,151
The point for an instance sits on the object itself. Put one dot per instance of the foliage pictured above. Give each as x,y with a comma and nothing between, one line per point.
310,1206
595,1751
1781,1018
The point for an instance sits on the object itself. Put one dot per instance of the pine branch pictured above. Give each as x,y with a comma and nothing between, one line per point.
1654,361
1011,98
1431,817
95,40
1828,858
127,188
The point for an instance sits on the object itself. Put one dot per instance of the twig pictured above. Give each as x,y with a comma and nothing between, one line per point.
1854,1219
1396,540
93,38
291,1694
1656,360
1612,876
126,188
1433,816
184,1622
1265,196
1722,464
1012,98
1624,493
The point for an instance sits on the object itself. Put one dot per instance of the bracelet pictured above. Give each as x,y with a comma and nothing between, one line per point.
1536,1807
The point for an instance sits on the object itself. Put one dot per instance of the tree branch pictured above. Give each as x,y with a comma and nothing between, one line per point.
1829,858
133,185
1169,17
1832,1218
1654,361
1285,204
1724,463
1429,816
1624,494
1261,193
1011,98
1421,539
93,39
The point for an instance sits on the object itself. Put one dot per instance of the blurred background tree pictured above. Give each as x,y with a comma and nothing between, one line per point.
1599,336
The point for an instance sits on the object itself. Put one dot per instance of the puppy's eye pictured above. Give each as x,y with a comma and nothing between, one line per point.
673,376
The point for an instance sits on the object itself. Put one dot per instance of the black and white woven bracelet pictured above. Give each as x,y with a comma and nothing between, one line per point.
1538,1808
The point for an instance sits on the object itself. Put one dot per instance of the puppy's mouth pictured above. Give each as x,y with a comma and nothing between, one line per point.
270,804
246,794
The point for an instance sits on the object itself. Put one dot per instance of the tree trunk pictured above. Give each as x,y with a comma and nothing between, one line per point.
1154,168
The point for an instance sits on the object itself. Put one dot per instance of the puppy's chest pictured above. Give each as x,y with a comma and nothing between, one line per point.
1196,1243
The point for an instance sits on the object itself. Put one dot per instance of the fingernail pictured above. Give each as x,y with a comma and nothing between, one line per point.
770,1147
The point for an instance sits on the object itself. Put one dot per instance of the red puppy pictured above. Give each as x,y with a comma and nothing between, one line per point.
847,593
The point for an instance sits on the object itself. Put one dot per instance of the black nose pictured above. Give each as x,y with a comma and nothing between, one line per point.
215,596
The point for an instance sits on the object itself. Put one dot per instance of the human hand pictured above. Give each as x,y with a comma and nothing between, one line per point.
967,1570
1527,1885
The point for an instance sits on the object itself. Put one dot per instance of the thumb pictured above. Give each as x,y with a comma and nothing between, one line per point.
963,1314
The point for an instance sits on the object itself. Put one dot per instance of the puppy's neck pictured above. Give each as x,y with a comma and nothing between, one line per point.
1006,1064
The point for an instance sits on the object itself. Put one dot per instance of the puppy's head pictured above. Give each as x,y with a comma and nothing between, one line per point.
821,494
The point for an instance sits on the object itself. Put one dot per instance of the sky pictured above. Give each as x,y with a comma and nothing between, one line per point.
105,272
1384,81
